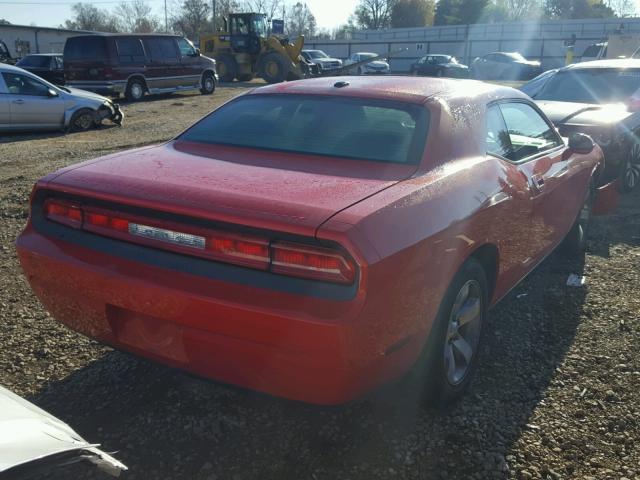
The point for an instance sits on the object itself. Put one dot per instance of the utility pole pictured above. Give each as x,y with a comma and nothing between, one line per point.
166,22
213,18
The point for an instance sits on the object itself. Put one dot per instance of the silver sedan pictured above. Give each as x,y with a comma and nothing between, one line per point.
27,103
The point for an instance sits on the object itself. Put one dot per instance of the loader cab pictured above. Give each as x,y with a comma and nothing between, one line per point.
247,30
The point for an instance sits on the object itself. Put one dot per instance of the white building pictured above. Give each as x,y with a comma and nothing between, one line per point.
24,39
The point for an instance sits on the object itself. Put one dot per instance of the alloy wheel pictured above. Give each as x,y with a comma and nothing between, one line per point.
631,169
463,332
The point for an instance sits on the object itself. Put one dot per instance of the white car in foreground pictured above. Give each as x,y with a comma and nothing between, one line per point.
33,440
374,67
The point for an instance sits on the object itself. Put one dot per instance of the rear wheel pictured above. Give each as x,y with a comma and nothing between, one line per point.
449,358
135,90
227,68
630,170
82,120
273,68
575,243
208,84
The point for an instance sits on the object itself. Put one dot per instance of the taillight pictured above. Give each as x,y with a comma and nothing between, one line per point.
67,213
246,251
312,262
306,261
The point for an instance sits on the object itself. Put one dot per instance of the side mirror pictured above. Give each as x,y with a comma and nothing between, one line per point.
197,54
581,143
52,93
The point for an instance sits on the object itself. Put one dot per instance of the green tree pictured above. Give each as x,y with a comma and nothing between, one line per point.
412,13
575,9
373,14
459,12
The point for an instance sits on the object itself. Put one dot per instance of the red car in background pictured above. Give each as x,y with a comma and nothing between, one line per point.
314,239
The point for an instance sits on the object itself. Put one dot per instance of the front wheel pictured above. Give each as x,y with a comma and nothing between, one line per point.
82,120
575,243
630,170
135,90
273,68
208,84
449,358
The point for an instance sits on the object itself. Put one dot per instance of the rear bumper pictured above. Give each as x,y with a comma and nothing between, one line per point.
280,343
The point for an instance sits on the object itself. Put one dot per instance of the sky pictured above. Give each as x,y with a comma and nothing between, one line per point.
51,13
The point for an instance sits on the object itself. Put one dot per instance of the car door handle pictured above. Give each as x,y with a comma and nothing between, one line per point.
19,101
537,183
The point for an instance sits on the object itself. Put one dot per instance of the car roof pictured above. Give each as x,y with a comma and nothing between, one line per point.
611,63
12,69
107,34
395,88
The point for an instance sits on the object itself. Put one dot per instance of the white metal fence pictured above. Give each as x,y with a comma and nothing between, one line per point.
544,40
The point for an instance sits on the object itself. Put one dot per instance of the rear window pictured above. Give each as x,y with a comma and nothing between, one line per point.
35,61
85,48
130,50
337,127
597,85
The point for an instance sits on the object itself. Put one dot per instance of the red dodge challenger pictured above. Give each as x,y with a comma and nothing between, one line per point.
314,239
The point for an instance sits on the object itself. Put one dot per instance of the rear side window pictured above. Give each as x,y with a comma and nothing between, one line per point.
161,49
338,127
85,48
515,131
130,50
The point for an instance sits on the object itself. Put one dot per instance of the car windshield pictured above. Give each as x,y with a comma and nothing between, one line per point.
317,54
338,127
34,61
595,85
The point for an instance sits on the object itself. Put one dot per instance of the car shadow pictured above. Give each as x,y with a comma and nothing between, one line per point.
166,424
618,229
13,137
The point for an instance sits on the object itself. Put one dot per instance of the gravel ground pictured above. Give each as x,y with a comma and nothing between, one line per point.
556,394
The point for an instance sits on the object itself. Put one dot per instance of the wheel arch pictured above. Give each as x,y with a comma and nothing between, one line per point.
488,256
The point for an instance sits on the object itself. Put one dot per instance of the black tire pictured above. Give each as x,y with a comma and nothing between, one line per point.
432,377
575,243
273,68
208,83
245,77
135,91
629,176
82,120
227,68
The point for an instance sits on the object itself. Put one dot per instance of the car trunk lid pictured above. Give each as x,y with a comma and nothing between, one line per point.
261,189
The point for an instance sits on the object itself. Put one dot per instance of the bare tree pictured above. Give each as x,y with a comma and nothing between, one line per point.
136,16
623,8
374,14
271,7
300,21
89,17
192,18
223,9
522,9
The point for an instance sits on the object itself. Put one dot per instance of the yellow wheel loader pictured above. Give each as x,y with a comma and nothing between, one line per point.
245,50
